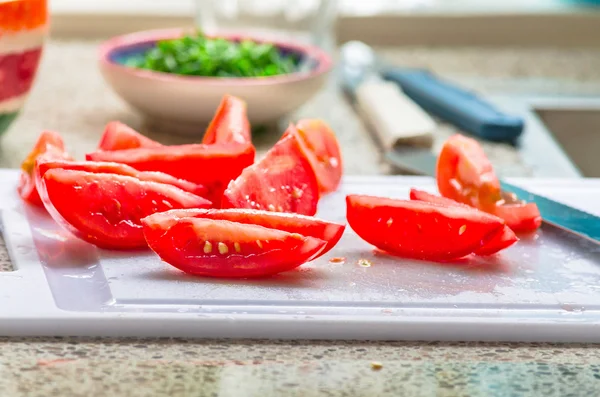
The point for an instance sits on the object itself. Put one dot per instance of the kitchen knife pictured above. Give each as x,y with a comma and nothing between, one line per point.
455,105
394,118
421,161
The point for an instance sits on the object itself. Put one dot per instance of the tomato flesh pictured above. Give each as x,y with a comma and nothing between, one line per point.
220,248
97,167
504,239
106,209
213,166
322,149
420,230
465,174
50,145
230,123
281,181
119,136
329,232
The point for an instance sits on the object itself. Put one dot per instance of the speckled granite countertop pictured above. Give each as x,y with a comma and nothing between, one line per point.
70,97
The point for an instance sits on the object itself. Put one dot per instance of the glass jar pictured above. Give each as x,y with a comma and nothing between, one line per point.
309,21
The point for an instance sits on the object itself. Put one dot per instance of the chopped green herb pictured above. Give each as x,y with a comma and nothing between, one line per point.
198,55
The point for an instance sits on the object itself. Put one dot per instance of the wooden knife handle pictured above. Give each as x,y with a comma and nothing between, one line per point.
394,118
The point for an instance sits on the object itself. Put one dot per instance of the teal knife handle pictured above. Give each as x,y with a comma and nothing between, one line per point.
457,106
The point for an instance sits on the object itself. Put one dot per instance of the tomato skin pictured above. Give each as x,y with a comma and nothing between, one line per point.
281,181
220,248
520,217
106,209
465,174
504,239
97,167
420,230
230,123
119,136
50,145
322,150
212,166
329,232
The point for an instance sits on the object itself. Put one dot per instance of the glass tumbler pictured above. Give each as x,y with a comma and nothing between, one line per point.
308,21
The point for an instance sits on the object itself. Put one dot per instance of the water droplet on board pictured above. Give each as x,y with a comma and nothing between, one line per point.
338,260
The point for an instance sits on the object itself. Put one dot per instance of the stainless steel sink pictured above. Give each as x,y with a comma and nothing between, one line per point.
578,133
562,136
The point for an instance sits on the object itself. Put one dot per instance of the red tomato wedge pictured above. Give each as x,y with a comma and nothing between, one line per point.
321,148
520,216
329,232
230,123
281,181
99,167
221,248
500,241
504,239
420,230
213,166
119,136
49,144
106,209
465,174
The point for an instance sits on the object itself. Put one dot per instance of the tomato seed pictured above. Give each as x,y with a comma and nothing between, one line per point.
338,259
271,207
279,208
364,263
297,193
207,247
167,204
259,244
223,248
237,247
297,236
462,230
389,222
376,365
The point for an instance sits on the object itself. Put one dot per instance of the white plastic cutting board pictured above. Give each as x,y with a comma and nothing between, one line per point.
546,288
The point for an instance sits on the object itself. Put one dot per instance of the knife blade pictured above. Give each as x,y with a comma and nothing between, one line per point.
423,162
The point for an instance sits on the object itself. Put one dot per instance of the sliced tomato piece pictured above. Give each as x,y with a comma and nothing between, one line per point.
49,144
119,136
420,230
520,216
465,174
281,181
230,123
504,239
44,164
220,248
106,209
213,166
322,149
329,232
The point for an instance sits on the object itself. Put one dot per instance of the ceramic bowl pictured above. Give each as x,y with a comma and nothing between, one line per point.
185,104
23,27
